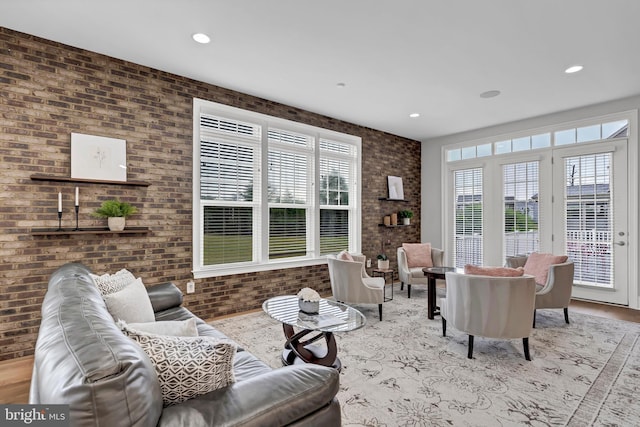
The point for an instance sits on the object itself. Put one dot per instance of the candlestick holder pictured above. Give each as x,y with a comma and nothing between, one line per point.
77,210
59,221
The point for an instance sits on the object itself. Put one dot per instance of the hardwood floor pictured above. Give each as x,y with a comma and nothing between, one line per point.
15,374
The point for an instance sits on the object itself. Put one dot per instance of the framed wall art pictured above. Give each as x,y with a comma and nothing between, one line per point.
395,188
98,157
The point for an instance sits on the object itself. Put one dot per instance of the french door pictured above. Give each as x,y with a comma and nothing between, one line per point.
590,218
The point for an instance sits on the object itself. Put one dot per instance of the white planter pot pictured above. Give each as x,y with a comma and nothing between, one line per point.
116,223
383,265
406,221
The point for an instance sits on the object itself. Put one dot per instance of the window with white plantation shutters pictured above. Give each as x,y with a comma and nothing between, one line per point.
229,157
467,244
336,167
270,193
521,208
288,193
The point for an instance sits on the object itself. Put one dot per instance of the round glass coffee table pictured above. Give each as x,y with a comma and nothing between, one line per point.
299,347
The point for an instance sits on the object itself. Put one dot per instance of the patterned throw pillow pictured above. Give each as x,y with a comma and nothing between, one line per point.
187,366
493,271
110,283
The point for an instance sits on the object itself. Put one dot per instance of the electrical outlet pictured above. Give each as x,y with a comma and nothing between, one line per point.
191,287
368,262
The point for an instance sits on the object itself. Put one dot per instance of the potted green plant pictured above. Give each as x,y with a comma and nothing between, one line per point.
383,262
115,211
406,216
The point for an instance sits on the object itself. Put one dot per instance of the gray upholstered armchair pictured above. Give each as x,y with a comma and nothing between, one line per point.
414,275
492,307
556,291
351,284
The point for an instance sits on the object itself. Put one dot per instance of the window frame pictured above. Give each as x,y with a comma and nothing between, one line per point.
261,260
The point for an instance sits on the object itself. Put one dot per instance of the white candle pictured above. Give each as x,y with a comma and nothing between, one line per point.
76,196
59,202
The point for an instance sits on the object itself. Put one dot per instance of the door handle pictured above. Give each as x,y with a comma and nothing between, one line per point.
620,243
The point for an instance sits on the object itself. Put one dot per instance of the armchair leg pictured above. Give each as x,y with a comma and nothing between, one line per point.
408,290
444,327
534,317
525,344
470,353
401,285
380,311
566,314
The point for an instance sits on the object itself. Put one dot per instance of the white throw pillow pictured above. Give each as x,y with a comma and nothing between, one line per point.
131,304
178,328
187,366
110,283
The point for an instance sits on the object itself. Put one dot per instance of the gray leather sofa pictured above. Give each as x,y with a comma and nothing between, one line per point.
82,359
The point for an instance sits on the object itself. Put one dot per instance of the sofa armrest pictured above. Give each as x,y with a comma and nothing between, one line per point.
275,398
164,296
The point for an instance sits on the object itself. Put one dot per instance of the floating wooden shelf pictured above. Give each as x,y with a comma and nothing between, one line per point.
392,200
88,230
39,177
393,226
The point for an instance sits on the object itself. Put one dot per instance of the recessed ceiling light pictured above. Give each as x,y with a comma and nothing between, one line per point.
490,94
201,38
414,115
573,69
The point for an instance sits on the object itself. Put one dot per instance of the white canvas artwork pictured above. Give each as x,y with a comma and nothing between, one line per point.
395,187
98,157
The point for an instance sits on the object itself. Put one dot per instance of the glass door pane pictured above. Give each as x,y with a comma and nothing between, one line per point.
589,216
468,217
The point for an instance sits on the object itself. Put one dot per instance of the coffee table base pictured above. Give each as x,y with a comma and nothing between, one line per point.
297,350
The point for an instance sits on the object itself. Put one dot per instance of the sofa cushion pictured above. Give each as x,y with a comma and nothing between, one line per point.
187,366
418,254
493,271
178,328
538,265
130,304
110,283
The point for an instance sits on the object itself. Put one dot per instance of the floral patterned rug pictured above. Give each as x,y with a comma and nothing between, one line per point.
403,372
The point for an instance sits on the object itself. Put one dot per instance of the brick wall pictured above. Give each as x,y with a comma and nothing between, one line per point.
48,90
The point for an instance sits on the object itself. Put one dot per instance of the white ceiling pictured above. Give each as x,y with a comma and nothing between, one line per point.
396,57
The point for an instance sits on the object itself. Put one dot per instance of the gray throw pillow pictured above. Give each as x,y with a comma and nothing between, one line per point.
131,304
187,366
178,328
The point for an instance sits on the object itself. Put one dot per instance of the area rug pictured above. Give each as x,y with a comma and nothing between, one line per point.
401,371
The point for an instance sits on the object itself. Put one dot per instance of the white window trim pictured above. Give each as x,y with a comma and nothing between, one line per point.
199,271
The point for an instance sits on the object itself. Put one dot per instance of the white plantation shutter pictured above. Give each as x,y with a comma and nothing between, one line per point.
226,171
521,208
336,168
467,244
288,193
229,155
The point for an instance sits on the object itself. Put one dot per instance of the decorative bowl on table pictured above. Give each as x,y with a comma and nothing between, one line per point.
309,307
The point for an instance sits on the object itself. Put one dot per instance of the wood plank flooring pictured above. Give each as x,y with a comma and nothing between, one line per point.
15,375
